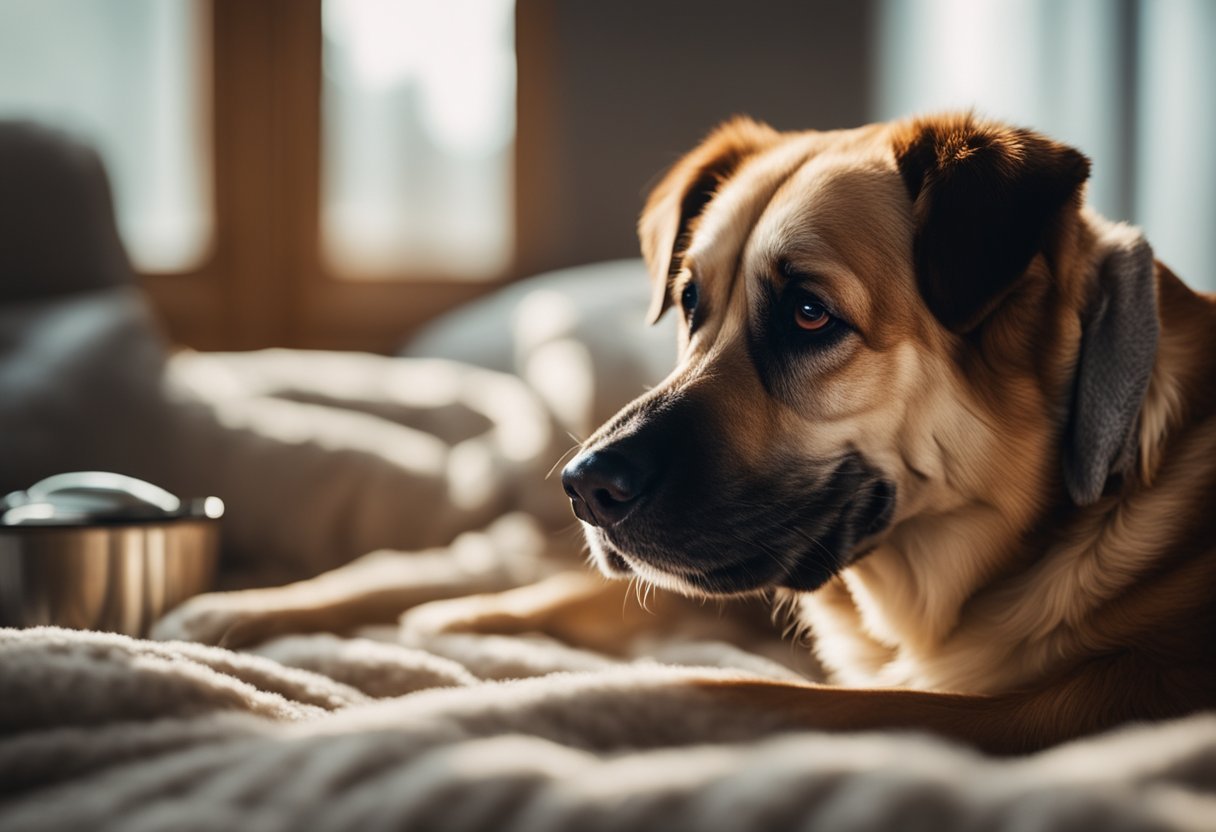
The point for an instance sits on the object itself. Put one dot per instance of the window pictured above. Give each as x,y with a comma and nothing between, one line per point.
418,121
1121,81
130,77
291,172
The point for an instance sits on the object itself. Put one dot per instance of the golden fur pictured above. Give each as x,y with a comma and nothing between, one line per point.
1050,619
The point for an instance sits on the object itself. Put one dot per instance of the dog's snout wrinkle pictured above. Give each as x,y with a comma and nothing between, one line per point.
604,486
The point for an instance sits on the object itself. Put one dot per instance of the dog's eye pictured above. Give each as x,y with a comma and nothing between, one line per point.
811,316
688,299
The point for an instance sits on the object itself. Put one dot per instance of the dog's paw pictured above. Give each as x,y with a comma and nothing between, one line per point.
546,607
224,619
450,615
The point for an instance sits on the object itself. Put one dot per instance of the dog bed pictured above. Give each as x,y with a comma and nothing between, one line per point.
319,457
470,732
383,729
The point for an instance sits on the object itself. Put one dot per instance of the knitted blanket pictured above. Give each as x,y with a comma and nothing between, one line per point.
318,731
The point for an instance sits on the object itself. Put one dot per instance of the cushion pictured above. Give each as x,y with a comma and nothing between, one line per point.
578,336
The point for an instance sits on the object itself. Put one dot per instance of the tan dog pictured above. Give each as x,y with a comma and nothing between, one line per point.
964,425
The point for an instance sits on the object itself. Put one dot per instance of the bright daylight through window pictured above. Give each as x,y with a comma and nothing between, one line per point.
419,121
129,78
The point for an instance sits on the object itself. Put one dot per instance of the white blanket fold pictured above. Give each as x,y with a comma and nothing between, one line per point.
107,732
323,457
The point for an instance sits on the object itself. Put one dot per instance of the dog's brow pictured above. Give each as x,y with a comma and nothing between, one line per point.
782,270
729,221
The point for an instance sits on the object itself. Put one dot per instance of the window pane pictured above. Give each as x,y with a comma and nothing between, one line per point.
1175,165
419,123
1126,89
938,55
127,75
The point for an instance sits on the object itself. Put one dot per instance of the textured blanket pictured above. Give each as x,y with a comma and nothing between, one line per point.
324,456
364,732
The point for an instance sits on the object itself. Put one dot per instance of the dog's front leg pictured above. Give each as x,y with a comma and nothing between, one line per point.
1087,700
577,608
581,609
373,589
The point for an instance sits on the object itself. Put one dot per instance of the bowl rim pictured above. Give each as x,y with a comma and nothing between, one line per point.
107,524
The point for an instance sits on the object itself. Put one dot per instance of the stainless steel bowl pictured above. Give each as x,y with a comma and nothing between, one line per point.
102,551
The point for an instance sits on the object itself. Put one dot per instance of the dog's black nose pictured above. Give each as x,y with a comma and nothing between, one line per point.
603,486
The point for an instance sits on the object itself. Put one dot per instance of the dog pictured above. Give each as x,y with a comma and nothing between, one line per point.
959,425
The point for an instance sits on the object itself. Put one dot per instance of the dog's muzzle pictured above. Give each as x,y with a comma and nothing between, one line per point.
667,499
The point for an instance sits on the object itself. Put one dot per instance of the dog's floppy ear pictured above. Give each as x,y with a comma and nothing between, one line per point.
1119,332
985,197
683,193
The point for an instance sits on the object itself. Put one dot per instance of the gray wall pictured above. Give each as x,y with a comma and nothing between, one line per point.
630,86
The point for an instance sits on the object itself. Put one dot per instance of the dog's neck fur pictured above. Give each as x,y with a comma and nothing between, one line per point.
923,611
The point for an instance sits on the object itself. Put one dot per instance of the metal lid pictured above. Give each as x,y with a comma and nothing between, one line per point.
100,497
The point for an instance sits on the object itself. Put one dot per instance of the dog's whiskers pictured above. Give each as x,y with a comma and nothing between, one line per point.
644,600
565,455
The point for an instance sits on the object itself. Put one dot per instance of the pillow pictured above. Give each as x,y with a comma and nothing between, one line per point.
323,456
80,388
577,336
320,457
57,228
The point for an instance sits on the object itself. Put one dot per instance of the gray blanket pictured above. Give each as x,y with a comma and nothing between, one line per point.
381,729
106,732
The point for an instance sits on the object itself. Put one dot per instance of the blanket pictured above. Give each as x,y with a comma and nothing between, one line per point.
322,457
380,729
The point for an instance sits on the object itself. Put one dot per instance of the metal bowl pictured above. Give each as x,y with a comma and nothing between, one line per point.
102,551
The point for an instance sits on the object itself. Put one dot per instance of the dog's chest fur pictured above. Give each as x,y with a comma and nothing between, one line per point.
893,620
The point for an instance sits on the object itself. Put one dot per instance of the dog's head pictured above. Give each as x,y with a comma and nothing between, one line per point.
878,325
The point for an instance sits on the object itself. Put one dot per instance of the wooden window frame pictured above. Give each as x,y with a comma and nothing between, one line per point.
263,282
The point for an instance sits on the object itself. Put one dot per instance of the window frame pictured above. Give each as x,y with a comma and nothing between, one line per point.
264,281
